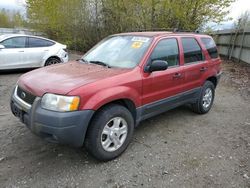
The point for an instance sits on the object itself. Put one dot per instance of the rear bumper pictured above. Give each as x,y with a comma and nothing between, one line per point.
65,59
59,127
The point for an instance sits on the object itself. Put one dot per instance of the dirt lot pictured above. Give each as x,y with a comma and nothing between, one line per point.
175,149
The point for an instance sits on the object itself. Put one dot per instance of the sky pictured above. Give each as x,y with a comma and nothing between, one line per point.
13,4
239,7
236,9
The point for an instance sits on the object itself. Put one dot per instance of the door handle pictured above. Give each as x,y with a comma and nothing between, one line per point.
203,69
21,51
177,75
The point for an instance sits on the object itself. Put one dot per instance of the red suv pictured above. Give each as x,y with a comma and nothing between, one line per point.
126,78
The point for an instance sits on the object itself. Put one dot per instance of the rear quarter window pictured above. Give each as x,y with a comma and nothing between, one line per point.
211,47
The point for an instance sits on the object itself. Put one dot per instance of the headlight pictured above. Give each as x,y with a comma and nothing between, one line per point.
60,103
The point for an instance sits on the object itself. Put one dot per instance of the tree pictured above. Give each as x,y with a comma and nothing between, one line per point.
4,19
243,21
81,23
11,19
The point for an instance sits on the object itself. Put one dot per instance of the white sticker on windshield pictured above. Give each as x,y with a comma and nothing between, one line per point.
140,39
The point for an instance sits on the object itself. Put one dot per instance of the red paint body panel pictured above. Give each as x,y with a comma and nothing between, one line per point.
97,85
123,86
62,78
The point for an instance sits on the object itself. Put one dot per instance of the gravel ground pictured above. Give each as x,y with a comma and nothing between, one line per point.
175,149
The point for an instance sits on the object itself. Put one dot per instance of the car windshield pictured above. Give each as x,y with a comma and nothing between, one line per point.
2,37
119,51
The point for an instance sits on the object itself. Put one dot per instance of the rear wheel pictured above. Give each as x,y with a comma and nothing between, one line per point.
205,101
52,61
110,132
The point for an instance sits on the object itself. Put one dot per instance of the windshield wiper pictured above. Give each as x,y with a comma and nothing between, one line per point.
83,60
100,63
94,62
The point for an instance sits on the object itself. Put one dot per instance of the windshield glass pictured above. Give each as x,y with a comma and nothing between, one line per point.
119,51
2,37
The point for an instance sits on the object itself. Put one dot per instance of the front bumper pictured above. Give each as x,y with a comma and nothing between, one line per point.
218,77
59,127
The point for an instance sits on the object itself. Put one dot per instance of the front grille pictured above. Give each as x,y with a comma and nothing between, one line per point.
25,96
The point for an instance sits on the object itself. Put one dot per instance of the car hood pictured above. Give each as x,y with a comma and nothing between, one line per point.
63,78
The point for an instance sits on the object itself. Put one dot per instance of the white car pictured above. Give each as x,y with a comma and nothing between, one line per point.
25,51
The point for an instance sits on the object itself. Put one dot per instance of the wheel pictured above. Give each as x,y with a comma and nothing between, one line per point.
205,101
110,132
52,61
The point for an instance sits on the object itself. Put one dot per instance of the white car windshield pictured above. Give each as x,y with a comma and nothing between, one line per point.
119,51
2,37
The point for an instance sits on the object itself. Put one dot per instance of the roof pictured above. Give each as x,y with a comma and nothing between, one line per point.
11,35
5,36
160,33
147,33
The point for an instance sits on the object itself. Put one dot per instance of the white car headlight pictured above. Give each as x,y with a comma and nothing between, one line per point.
60,103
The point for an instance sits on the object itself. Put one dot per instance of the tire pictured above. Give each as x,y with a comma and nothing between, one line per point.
206,98
105,131
52,61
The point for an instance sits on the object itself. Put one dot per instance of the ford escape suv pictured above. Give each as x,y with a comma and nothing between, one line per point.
97,100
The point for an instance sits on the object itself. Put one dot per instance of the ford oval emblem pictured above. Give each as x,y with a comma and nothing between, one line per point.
23,95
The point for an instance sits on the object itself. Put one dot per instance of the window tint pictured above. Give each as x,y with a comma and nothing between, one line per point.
16,42
192,50
35,42
166,50
210,46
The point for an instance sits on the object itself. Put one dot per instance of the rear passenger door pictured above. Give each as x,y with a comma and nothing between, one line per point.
195,65
36,50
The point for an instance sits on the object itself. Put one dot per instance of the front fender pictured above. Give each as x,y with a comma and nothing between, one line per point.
111,94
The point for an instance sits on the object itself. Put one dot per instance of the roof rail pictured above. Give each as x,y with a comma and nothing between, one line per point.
174,30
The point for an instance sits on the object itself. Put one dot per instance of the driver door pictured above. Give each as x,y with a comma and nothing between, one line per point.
12,55
161,87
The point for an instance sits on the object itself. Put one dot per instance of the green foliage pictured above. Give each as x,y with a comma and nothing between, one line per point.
81,23
11,19
4,20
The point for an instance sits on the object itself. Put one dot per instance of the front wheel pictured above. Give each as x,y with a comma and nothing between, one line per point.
110,132
206,98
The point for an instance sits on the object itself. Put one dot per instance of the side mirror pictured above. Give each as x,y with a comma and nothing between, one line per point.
2,46
156,65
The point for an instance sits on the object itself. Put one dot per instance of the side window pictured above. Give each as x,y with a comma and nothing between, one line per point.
36,42
15,42
167,50
211,47
192,50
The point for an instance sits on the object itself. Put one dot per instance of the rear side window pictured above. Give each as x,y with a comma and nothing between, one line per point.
36,42
192,50
211,47
15,42
167,50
